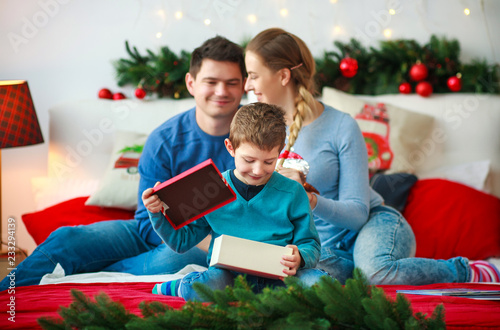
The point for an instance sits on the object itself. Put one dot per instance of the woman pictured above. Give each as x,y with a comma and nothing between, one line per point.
355,228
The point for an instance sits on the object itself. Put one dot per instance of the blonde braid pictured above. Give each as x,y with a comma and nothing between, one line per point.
303,105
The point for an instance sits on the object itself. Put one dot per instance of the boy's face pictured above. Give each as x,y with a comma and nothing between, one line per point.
217,88
254,166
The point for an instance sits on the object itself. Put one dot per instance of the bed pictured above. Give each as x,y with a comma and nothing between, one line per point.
444,176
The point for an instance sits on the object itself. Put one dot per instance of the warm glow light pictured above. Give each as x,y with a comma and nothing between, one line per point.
252,18
178,14
467,11
207,21
284,12
333,1
337,29
161,13
158,35
392,11
388,33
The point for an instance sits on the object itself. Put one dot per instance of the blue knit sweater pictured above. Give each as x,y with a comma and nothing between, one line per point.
279,214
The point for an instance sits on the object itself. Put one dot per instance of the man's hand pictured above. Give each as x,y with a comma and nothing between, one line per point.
151,202
292,262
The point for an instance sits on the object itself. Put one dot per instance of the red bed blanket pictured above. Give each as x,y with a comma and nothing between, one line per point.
32,302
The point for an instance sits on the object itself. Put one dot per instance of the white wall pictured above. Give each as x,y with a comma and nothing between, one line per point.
65,49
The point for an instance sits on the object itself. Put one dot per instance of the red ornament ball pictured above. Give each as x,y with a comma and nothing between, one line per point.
349,67
140,93
418,72
118,96
424,89
405,88
454,83
105,94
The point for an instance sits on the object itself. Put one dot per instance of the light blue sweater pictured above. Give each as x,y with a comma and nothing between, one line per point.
336,152
279,214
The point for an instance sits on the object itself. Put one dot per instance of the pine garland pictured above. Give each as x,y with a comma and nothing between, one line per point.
161,74
381,70
326,305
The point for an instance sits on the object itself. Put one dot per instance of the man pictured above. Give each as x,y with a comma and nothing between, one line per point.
216,80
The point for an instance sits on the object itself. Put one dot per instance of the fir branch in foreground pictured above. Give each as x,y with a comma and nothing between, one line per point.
326,305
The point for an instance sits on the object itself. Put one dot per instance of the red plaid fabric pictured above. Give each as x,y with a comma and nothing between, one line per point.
18,121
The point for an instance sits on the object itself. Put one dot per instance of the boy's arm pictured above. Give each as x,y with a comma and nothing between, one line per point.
306,236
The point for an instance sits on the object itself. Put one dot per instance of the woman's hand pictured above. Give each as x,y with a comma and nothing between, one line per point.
292,262
151,201
293,174
313,200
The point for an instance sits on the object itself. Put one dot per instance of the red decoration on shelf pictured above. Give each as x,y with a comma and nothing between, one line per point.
140,93
118,96
405,88
105,94
424,89
418,72
349,67
455,83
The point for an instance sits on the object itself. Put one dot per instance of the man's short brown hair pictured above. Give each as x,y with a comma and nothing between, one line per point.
218,49
260,124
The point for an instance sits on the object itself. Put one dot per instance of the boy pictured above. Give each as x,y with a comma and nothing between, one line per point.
269,207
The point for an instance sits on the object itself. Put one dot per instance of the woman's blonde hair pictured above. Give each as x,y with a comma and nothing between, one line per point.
279,49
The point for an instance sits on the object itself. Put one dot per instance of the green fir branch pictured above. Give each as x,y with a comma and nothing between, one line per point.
326,305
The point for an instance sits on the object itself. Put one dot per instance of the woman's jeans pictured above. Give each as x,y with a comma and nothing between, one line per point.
385,252
114,246
218,279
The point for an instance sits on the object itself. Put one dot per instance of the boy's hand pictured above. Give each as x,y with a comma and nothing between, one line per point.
151,202
292,262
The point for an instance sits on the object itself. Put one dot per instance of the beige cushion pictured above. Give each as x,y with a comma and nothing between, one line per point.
408,130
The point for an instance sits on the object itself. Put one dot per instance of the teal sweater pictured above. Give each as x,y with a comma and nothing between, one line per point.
279,214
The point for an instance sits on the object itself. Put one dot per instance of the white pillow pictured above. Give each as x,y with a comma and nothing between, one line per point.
473,174
120,184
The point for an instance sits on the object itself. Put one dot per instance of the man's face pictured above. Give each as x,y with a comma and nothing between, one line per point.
217,89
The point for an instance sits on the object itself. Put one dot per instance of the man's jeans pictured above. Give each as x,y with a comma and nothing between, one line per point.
114,246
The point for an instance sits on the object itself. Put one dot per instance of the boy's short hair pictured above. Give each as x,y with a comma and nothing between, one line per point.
260,124
217,49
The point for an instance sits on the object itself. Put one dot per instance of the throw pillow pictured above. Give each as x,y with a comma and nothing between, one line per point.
72,212
120,184
393,135
394,188
450,219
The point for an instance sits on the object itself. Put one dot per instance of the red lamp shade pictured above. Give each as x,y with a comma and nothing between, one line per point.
18,121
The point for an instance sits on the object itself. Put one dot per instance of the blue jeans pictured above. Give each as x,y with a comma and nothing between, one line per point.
114,246
218,279
385,251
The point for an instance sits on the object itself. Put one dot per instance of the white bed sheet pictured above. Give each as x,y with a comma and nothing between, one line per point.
59,276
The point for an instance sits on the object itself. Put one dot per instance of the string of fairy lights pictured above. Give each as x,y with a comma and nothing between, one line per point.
284,12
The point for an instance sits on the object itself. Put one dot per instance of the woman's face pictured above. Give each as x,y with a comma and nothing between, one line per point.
266,84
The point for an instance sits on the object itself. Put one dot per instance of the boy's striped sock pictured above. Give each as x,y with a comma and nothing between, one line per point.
483,271
169,288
